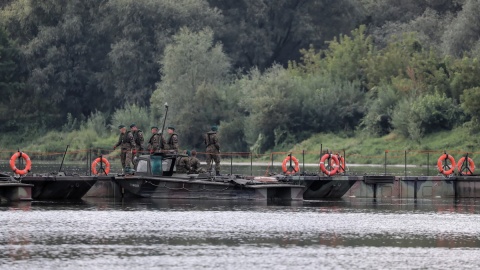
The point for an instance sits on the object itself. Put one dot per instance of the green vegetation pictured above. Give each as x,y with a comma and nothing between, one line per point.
361,75
360,149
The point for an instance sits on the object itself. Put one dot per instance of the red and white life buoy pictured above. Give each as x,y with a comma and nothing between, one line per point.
294,169
468,169
25,157
98,160
333,167
442,167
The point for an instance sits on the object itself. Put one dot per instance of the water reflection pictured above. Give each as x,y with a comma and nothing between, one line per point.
146,233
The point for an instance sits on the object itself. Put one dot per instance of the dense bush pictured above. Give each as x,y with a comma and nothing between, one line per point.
415,117
98,122
471,102
131,114
380,105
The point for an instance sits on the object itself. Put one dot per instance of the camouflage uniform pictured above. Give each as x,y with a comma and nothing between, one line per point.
195,165
156,143
172,143
127,143
138,138
183,165
213,150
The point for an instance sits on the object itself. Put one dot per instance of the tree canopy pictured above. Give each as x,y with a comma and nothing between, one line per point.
269,73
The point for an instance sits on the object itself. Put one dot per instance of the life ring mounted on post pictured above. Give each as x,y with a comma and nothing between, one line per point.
330,169
100,160
442,165
466,169
28,165
341,163
294,169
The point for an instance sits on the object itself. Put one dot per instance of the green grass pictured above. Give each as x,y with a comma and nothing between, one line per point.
365,149
360,148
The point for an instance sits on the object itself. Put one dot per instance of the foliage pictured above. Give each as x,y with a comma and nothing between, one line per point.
287,109
331,106
82,68
387,18
414,117
471,102
463,33
71,124
464,75
272,103
344,58
194,69
98,122
131,114
12,78
81,54
380,105
260,33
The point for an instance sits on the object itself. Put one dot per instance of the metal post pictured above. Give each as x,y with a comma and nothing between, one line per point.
303,157
386,151
87,159
405,163
64,154
101,164
415,186
251,163
231,164
455,193
165,118
428,164
271,157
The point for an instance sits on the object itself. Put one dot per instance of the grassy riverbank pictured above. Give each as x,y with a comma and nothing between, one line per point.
364,149
361,148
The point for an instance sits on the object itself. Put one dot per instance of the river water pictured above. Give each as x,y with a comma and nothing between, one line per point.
349,233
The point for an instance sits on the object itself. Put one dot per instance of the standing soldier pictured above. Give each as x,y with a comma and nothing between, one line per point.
213,150
156,143
172,142
138,138
127,143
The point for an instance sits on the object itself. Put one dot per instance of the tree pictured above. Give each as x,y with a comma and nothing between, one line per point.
471,102
414,117
139,31
194,68
387,18
345,58
58,46
379,106
12,87
258,33
462,35
81,54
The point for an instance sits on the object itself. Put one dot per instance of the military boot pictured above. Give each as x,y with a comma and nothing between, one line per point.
217,173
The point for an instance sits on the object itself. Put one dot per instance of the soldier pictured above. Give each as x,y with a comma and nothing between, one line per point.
183,162
195,163
172,142
156,143
138,138
127,143
213,150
